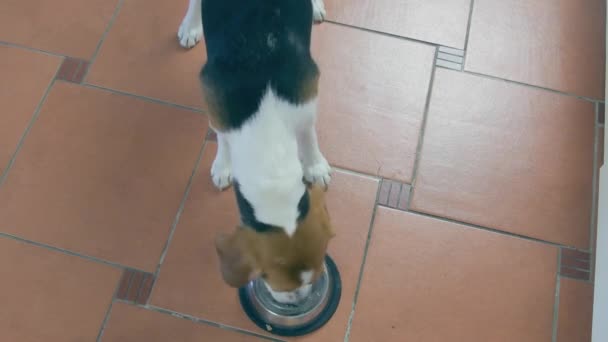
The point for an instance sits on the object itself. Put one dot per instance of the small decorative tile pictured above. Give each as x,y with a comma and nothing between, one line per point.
450,58
575,264
135,286
394,194
73,70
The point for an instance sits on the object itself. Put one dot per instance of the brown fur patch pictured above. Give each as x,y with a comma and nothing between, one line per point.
309,88
214,110
278,258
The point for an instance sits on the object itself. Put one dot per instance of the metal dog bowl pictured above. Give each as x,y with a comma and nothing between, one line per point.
298,319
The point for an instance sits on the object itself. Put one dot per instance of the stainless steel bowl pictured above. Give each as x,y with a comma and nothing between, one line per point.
308,315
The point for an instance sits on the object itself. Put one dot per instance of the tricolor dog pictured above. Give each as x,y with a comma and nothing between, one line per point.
260,84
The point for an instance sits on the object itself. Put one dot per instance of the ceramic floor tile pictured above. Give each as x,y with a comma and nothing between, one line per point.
431,280
67,27
575,311
440,22
557,44
141,54
102,174
190,280
25,77
508,157
372,96
49,296
134,324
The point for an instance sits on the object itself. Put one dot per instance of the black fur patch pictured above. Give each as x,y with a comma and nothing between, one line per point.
251,45
248,214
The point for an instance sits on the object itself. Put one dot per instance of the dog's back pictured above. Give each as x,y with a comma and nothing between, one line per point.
253,45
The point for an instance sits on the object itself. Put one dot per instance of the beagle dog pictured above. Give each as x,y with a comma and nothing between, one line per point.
260,85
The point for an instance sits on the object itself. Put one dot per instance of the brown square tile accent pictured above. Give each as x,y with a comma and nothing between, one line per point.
135,286
190,280
553,44
372,97
394,194
495,155
66,27
575,264
575,311
50,296
72,70
574,273
153,64
450,58
440,22
129,323
568,253
601,113
430,280
102,175
25,77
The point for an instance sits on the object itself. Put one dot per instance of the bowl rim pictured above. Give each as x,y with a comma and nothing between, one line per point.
334,294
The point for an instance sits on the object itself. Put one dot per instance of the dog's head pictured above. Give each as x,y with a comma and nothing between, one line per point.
285,263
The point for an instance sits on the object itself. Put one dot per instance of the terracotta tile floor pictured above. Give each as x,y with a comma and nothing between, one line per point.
464,197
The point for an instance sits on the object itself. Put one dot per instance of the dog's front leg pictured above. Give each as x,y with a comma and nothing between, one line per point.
315,166
191,30
221,169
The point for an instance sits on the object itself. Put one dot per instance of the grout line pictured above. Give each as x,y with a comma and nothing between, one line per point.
75,73
492,230
362,268
401,186
355,173
588,99
141,286
466,38
70,253
131,279
33,119
588,281
33,49
202,321
106,318
386,34
451,54
142,97
575,268
423,124
180,210
103,38
556,299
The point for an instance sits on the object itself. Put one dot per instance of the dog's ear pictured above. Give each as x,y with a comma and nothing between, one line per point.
319,208
237,260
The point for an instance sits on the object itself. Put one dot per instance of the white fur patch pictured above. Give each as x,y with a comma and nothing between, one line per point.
265,162
297,295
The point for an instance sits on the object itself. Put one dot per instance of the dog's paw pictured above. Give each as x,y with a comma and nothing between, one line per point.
318,173
221,174
318,11
190,32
